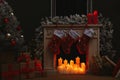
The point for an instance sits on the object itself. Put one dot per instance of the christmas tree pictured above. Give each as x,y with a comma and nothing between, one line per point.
11,35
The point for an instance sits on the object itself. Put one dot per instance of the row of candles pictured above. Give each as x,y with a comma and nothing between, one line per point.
71,68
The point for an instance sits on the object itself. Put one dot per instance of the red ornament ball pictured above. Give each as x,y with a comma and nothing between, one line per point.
6,20
18,28
13,42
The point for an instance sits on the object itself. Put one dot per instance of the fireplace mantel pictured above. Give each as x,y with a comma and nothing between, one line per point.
49,59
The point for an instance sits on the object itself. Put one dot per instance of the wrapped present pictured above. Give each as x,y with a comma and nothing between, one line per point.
27,70
10,71
38,68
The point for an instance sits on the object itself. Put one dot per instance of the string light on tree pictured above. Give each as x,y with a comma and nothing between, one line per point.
22,36
12,13
10,29
8,34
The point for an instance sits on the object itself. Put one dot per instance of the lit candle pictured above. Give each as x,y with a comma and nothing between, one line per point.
65,62
90,18
83,67
95,15
78,61
71,63
60,69
60,61
80,71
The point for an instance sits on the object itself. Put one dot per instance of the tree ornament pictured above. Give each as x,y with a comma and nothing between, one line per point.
13,42
95,17
18,28
6,20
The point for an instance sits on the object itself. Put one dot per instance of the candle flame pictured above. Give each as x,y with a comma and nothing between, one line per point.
71,68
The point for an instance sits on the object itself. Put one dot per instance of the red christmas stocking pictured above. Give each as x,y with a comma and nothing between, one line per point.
67,42
54,44
82,44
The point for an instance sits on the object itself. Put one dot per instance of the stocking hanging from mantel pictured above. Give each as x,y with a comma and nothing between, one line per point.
82,44
54,44
71,37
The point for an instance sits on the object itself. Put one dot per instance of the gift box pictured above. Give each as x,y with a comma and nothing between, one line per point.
27,70
38,69
10,71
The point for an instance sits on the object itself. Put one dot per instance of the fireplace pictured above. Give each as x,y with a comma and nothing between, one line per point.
50,61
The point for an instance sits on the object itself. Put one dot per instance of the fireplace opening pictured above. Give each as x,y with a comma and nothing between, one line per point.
72,63
73,54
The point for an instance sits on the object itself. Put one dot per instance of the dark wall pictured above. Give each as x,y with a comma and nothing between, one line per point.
30,12
71,7
110,9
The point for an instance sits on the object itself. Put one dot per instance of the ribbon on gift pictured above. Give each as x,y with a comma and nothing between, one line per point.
10,74
26,70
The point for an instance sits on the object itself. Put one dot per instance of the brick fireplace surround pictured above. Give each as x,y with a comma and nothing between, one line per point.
49,60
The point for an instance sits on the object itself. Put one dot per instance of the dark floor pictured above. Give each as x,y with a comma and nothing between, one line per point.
74,77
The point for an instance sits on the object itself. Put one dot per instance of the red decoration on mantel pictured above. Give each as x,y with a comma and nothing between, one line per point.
95,17
10,73
13,42
92,17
